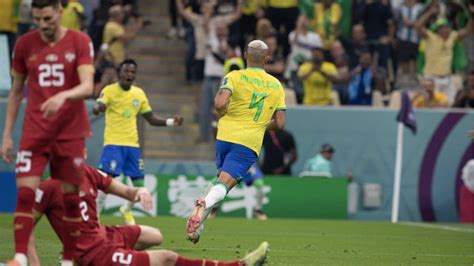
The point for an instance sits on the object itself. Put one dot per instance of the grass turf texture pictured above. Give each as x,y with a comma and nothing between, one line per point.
292,242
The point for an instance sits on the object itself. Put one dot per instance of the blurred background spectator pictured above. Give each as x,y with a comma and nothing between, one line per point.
320,165
8,21
73,15
429,97
275,65
465,97
116,34
327,15
283,14
279,152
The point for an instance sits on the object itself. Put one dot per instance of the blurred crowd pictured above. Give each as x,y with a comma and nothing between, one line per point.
111,24
328,52
325,52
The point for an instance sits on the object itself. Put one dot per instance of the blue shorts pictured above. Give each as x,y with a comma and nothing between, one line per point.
235,159
253,174
117,160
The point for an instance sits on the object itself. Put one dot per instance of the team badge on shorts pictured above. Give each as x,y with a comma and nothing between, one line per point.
113,165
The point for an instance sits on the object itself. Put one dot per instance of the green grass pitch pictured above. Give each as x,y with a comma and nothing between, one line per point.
292,242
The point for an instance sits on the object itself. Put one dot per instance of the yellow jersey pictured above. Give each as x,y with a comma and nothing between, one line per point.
121,114
317,89
256,95
112,32
282,3
70,19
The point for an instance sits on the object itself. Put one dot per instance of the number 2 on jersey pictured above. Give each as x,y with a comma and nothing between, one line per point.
257,101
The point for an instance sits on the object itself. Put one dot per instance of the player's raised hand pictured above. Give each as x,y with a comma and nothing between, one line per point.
7,150
178,120
144,196
51,106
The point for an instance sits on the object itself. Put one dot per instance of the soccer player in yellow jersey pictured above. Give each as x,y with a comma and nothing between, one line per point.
248,102
122,102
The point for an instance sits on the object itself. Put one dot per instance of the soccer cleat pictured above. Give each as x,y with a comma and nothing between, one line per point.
194,221
14,263
127,216
260,215
258,256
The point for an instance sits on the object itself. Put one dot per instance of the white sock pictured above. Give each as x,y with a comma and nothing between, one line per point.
66,263
216,194
128,205
21,258
101,202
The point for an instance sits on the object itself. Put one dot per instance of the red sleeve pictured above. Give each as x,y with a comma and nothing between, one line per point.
19,56
100,179
85,50
44,195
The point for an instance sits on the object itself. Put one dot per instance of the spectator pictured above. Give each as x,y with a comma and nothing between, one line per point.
116,35
407,36
302,41
377,18
8,21
327,15
430,98
264,29
317,77
25,21
251,11
205,24
216,53
320,165
362,82
355,45
283,15
73,15
339,59
175,29
439,43
275,65
279,152
465,98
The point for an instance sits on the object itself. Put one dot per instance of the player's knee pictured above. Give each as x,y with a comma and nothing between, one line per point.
149,237
25,199
162,257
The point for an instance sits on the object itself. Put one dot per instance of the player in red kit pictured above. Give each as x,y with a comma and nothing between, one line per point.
114,245
56,65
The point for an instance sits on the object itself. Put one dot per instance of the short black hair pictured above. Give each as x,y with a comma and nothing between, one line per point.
45,3
127,61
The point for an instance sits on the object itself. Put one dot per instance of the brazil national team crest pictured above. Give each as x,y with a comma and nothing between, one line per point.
135,103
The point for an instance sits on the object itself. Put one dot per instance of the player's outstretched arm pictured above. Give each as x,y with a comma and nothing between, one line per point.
131,193
278,121
14,102
99,107
161,122
81,91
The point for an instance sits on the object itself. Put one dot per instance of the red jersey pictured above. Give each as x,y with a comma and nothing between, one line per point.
49,70
49,202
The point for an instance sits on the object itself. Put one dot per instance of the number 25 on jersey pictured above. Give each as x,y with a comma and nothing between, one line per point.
51,75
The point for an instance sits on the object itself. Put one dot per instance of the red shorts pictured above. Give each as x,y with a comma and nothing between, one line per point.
66,158
125,236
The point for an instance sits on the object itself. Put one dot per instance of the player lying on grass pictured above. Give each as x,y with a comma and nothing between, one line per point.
114,245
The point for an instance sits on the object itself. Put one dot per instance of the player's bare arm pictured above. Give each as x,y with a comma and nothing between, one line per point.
221,101
278,121
81,91
135,194
464,32
160,122
420,23
14,102
99,107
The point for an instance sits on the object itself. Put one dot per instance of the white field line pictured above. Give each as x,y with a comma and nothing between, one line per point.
440,227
